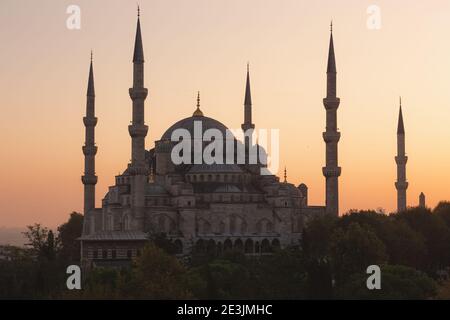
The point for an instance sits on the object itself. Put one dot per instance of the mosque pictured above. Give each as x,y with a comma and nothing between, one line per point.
201,208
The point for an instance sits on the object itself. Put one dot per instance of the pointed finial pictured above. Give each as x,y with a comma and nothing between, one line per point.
400,126
331,67
138,11
90,88
198,112
91,55
248,66
285,175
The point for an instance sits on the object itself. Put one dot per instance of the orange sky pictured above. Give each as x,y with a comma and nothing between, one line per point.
204,45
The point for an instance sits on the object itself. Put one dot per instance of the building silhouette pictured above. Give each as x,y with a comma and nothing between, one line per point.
201,208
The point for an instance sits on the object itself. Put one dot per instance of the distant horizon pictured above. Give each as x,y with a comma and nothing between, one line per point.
204,46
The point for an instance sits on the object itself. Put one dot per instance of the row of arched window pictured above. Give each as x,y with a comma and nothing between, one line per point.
233,178
114,253
248,246
236,225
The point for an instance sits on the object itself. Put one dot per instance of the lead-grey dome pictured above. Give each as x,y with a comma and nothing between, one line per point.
188,124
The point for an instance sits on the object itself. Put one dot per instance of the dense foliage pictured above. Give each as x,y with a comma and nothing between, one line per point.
412,249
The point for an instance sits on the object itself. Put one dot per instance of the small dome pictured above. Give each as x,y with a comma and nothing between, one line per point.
197,113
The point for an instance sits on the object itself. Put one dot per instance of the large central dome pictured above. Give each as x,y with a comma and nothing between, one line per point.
188,124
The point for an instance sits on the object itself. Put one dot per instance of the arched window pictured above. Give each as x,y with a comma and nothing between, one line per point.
113,254
126,223
265,246
239,245
227,245
276,244
232,224
200,247
257,247
104,254
248,246
178,247
110,222
211,247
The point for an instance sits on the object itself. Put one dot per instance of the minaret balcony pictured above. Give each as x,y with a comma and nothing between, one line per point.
330,172
331,136
401,160
89,179
90,150
138,130
138,93
331,103
90,121
401,185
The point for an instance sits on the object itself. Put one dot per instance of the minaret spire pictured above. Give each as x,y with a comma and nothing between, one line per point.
401,159
331,67
400,126
138,55
89,178
248,104
331,136
138,130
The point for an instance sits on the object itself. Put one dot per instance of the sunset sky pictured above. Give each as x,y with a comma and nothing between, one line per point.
204,45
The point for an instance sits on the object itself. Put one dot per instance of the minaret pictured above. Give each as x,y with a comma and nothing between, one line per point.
248,127
138,129
401,185
422,203
89,178
331,136
247,105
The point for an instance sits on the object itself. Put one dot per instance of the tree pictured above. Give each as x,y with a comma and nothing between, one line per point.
403,244
443,211
155,275
37,238
397,282
435,232
315,244
279,276
67,237
354,249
